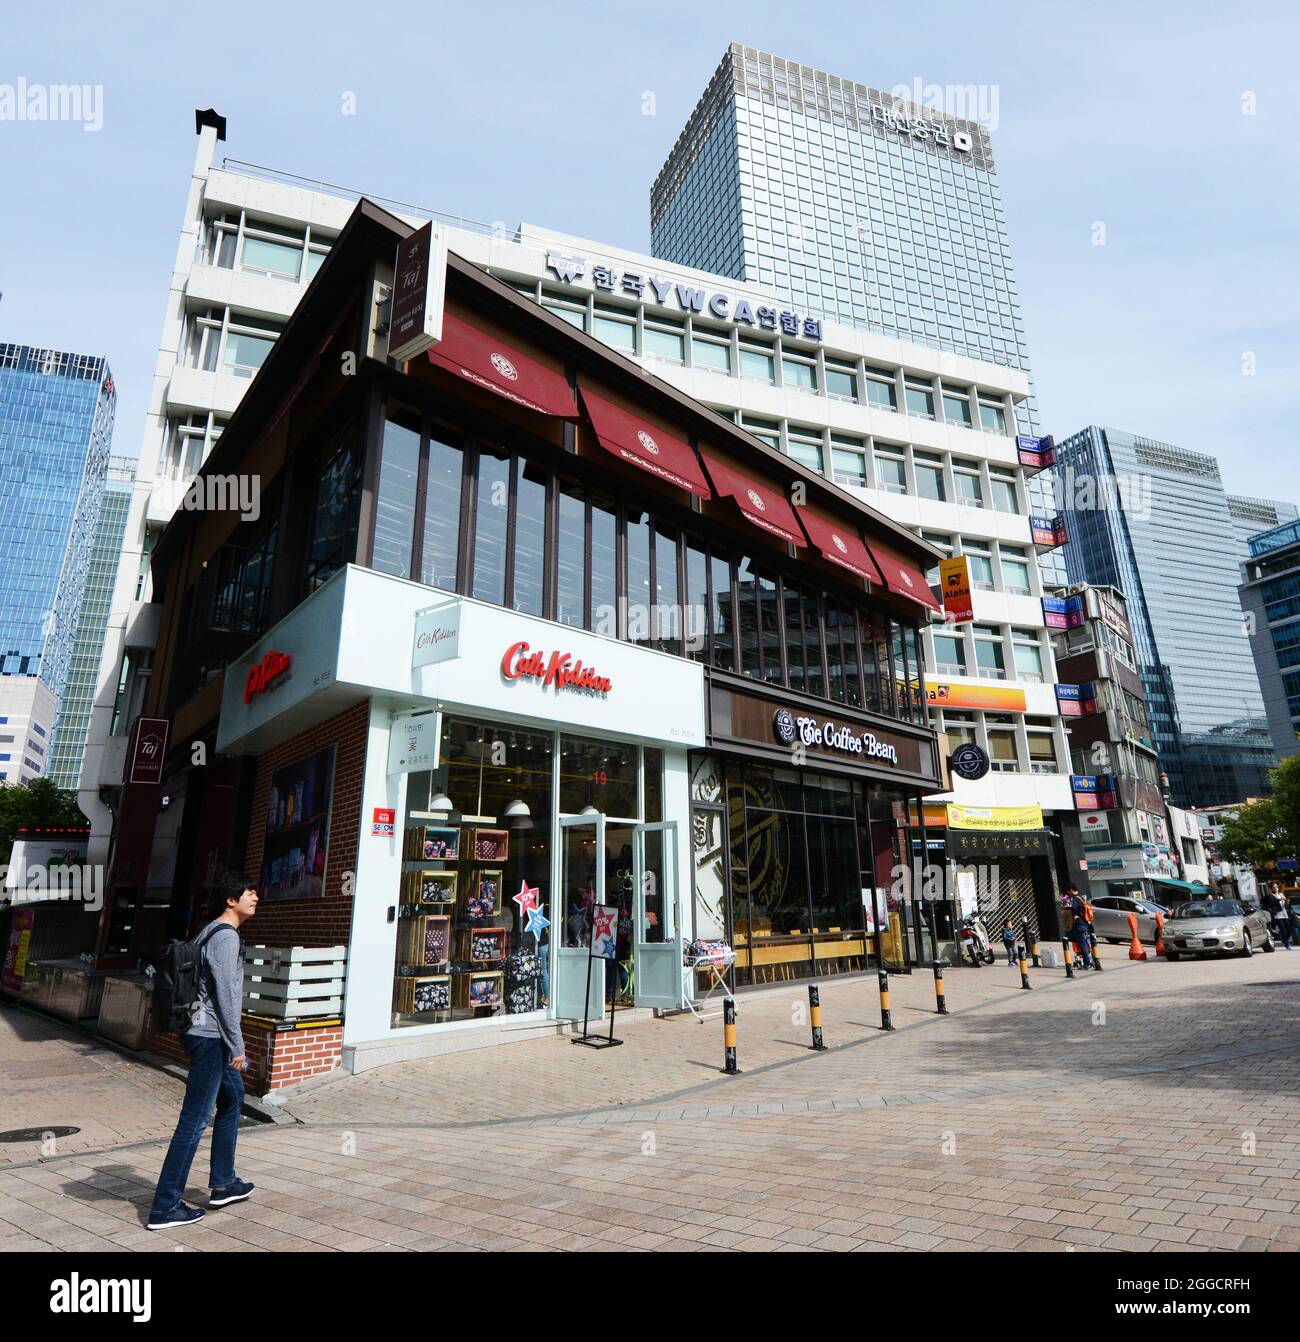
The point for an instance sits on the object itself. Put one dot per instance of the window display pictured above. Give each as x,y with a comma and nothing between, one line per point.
297,826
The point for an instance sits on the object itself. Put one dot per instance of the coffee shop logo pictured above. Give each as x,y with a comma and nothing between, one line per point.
907,579
839,543
829,736
505,367
785,727
647,442
757,500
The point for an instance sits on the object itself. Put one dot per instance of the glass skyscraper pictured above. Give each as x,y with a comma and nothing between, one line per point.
56,425
846,201
68,743
1250,516
1270,591
1153,520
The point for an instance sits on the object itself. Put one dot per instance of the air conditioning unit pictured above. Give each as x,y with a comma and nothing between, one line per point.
1075,588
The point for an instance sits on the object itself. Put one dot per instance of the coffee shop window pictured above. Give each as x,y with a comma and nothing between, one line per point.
475,898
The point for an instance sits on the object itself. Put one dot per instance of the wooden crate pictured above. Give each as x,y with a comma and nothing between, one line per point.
294,982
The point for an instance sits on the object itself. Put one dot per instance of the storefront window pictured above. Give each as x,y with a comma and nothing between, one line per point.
722,615
598,774
794,644
769,623
638,577
604,568
530,537
746,583
668,621
491,516
697,603
333,540
442,515
570,559
465,947
399,471
812,626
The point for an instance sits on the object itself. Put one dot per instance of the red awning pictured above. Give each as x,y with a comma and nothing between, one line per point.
631,439
763,504
839,544
904,578
488,362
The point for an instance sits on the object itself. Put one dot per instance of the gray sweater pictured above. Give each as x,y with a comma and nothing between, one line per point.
221,988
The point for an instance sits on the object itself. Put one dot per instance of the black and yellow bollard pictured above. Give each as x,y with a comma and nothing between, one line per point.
1094,942
1067,949
1024,968
815,1015
1031,941
940,1001
729,1036
886,1017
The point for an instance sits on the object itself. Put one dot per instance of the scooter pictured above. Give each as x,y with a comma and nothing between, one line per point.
975,941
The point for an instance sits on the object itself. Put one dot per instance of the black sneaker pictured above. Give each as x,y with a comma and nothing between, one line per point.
180,1215
239,1191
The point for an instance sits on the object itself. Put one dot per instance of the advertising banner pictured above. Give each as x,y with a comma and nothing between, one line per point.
995,817
954,583
1003,697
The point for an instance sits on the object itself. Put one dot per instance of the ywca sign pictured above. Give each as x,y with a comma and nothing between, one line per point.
557,669
148,750
262,675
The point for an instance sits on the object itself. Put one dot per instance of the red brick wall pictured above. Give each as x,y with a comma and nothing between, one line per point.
324,921
276,1058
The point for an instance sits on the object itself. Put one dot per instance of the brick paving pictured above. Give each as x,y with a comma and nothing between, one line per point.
1151,1107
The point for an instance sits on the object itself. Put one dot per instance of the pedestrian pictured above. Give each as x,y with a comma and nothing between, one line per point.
1280,912
1009,941
1080,930
215,1046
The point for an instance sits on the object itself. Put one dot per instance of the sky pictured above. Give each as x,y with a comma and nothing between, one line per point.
1147,156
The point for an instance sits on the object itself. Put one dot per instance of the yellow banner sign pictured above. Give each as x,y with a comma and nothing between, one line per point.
995,817
954,583
976,696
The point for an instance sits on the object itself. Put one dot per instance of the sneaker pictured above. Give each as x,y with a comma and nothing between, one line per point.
239,1191
180,1215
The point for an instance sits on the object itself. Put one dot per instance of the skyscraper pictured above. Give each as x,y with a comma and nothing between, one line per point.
1250,516
1270,592
1153,520
56,425
69,740
848,202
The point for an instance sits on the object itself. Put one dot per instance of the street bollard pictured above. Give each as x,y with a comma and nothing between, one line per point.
886,1018
729,1036
815,1013
1067,948
1160,933
1031,941
941,1002
1024,968
1094,943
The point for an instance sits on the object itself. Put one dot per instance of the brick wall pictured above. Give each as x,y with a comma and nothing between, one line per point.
327,920
276,1057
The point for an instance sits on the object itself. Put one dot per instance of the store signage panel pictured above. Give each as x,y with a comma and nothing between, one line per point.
954,583
1002,697
964,844
419,289
970,762
437,634
810,729
291,663
148,750
413,742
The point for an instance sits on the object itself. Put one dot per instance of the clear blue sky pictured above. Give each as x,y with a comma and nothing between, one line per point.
1124,114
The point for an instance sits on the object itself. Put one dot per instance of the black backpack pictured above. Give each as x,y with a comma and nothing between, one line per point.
176,983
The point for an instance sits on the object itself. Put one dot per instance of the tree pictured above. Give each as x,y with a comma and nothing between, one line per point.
1286,798
1256,835
35,802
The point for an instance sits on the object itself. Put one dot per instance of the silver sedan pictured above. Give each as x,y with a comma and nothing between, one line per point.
1217,927
1110,917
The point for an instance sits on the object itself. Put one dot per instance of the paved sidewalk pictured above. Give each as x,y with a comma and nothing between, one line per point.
1153,1106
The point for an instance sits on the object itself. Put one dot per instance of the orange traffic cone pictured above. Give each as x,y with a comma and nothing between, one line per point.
1135,951
1160,933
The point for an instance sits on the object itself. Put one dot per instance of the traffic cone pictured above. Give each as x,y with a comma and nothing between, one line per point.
1135,951
1160,933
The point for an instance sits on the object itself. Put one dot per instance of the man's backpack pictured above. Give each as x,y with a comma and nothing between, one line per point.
176,983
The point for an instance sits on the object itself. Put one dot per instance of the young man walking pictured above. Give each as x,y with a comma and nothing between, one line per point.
215,1046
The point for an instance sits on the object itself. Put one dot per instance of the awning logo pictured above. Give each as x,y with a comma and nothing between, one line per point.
648,442
505,367
757,500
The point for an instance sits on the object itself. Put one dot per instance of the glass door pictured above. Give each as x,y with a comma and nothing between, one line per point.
656,917
582,886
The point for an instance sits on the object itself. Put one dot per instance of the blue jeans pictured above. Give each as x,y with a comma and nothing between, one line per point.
212,1080
1081,933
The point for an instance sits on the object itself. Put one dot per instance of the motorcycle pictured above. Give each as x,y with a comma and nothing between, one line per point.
975,941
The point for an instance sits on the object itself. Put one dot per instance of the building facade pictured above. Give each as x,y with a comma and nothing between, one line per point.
1250,516
520,636
73,719
27,710
1152,520
1270,596
56,427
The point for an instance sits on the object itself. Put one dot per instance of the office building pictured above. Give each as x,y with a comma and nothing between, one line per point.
1250,516
73,719
1152,520
1270,596
1128,839
56,426
26,721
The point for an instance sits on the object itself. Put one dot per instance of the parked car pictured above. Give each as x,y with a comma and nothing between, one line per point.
1110,917
1217,927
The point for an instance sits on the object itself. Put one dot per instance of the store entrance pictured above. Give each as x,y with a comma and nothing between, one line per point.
631,868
